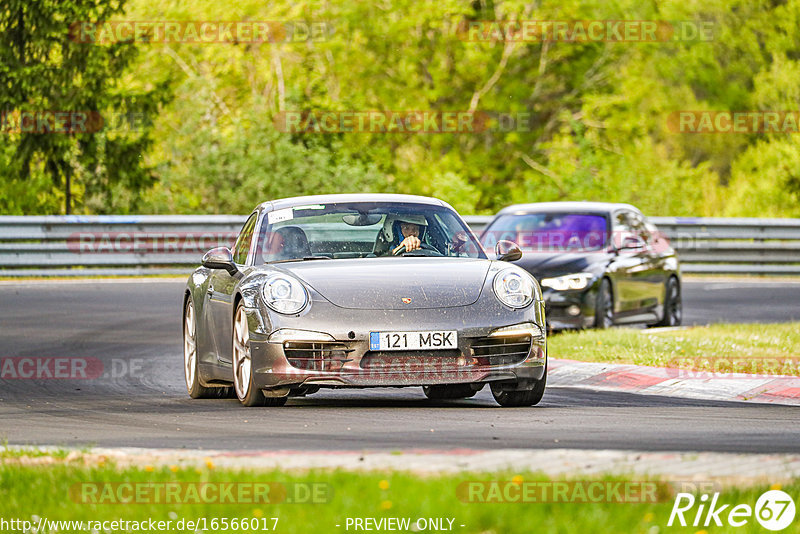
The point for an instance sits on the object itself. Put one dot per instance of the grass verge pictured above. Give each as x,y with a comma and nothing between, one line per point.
766,349
325,499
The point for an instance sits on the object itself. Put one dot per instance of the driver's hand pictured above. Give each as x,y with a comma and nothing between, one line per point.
410,243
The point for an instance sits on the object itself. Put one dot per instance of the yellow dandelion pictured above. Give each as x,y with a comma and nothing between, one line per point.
648,517
385,505
383,484
516,479
258,513
209,463
173,468
149,468
775,487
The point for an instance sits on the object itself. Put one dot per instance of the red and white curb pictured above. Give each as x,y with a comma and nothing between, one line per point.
675,382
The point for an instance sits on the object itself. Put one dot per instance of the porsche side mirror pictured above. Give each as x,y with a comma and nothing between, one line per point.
507,251
220,258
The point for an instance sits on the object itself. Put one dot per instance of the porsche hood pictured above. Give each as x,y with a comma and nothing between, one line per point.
395,283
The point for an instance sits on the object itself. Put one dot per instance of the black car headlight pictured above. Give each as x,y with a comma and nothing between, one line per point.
284,294
567,282
514,287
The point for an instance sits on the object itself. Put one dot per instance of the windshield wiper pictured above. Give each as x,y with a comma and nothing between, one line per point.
306,258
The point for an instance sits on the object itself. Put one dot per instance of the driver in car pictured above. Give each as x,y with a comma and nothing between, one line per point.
402,233
410,234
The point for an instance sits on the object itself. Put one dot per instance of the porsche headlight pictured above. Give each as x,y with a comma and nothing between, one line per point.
513,288
284,294
568,282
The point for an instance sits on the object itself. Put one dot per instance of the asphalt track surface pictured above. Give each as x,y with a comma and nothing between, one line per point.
134,328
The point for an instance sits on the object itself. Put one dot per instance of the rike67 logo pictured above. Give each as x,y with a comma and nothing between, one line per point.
774,510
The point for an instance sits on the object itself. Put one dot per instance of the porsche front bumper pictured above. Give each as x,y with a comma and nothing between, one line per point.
337,353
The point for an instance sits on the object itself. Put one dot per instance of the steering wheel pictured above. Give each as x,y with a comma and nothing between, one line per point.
423,246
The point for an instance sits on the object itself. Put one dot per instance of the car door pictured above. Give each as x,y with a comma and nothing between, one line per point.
629,266
651,276
220,293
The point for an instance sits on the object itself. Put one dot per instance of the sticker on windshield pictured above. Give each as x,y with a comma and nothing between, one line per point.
310,207
280,215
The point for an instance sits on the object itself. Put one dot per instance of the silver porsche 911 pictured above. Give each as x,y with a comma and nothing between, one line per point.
365,290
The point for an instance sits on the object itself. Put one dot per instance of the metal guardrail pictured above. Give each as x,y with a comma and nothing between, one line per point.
146,244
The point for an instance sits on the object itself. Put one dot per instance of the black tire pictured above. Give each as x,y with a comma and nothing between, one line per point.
604,306
525,397
673,306
246,391
449,391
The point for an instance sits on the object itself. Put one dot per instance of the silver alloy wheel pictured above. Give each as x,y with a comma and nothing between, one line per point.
189,346
242,364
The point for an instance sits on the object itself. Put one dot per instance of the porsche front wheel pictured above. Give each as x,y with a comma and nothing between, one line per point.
520,398
246,392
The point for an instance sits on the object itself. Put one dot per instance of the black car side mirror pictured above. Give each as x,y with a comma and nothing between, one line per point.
507,251
220,258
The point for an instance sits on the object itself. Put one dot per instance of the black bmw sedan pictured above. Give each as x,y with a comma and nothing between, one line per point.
599,264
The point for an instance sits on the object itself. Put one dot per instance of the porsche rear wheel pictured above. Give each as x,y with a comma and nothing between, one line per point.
523,397
449,391
246,392
190,370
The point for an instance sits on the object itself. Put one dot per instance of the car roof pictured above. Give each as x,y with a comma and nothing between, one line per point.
578,206
349,197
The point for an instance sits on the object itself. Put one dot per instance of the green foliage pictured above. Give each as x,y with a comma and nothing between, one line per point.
44,70
230,171
597,112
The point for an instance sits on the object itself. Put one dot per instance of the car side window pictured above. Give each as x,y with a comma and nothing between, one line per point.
640,227
628,224
621,228
242,246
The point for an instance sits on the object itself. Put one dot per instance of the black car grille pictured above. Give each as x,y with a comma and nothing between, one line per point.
412,360
316,356
501,350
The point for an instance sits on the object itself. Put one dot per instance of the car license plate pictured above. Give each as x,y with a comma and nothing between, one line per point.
435,339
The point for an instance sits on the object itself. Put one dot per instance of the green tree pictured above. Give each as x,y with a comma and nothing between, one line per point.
42,69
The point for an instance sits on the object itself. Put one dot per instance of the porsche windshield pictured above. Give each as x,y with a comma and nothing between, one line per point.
362,230
550,231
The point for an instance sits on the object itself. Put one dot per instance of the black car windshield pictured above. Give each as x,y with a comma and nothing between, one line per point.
550,231
362,230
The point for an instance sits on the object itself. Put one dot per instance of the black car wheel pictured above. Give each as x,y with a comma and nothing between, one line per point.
673,308
449,391
604,308
523,397
246,391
